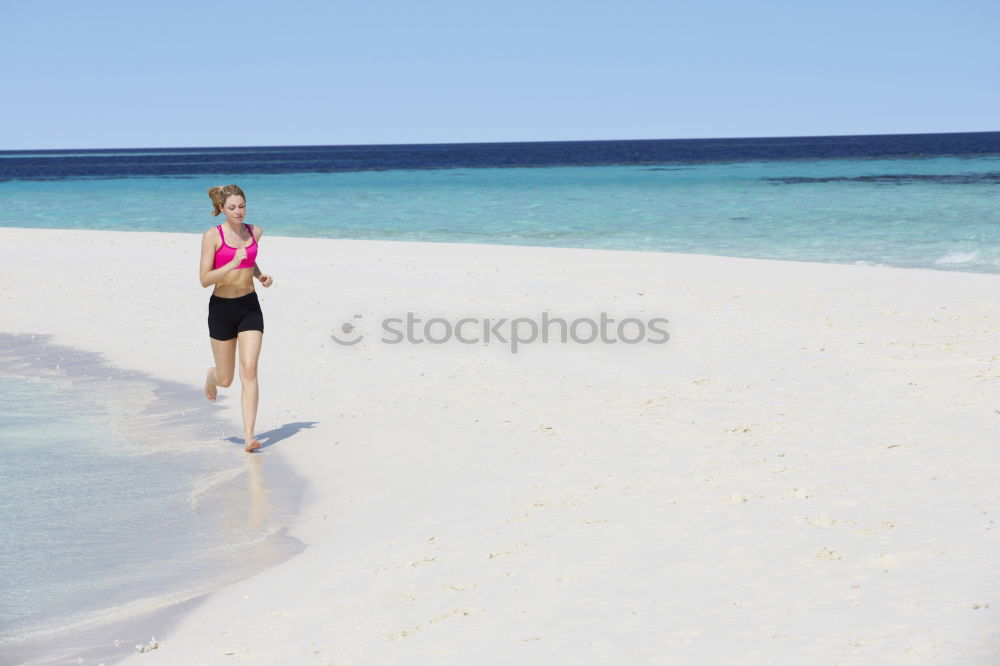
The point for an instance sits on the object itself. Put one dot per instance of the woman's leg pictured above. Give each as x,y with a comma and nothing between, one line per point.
224,352
249,343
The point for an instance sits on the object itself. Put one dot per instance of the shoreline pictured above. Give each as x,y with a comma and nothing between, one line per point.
952,261
795,475
141,409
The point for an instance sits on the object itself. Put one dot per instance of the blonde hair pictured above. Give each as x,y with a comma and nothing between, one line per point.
218,195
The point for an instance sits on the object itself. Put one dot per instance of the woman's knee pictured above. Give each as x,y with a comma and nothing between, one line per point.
248,372
224,375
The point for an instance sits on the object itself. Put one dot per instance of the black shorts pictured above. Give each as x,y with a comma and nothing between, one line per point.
229,316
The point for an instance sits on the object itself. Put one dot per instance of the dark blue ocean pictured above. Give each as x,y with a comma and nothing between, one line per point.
106,163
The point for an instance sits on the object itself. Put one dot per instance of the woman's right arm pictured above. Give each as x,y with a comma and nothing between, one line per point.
208,275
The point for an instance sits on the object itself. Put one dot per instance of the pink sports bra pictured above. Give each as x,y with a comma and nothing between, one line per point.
226,253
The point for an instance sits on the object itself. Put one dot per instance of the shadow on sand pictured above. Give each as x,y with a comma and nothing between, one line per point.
272,437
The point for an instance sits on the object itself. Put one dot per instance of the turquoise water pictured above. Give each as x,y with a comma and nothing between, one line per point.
119,495
922,212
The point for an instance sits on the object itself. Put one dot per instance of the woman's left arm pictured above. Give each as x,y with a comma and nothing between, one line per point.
263,278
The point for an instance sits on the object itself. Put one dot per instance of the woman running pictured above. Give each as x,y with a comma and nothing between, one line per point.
229,261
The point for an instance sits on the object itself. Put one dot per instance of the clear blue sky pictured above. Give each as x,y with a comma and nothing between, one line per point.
102,74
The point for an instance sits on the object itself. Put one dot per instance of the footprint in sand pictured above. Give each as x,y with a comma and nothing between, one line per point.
512,550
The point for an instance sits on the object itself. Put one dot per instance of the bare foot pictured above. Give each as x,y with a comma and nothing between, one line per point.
210,388
252,444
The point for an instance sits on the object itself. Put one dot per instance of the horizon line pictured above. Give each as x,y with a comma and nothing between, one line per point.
482,143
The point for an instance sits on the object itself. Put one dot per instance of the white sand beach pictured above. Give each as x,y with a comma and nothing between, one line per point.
804,473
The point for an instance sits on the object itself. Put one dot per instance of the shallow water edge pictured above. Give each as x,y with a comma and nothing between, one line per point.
259,494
